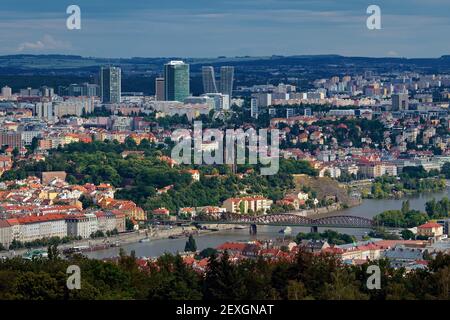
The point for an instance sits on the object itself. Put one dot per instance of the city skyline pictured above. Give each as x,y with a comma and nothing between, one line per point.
248,27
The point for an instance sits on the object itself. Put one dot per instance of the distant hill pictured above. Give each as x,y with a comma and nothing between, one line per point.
28,62
19,71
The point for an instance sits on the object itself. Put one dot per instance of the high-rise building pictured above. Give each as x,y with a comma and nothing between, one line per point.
159,89
176,81
225,85
110,82
399,101
92,90
46,92
209,80
79,90
11,139
221,101
44,110
254,110
227,80
29,92
264,99
6,92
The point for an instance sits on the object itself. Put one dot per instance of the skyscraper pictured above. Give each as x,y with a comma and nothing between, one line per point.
225,85
226,80
159,89
176,81
111,86
209,80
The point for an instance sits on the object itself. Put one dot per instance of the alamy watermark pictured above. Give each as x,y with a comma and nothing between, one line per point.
373,22
374,280
74,279
73,22
214,146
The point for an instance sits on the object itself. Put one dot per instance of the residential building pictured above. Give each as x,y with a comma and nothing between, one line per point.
247,204
81,225
430,229
159,89
399,101
254,110
38,227
111,87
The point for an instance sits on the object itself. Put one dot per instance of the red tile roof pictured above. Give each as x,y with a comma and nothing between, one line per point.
429,225
36,219
235,246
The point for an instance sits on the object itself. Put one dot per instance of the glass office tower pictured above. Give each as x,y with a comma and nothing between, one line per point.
226,80
176,81
209,80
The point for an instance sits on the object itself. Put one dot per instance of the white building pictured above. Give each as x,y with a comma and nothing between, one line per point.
38,227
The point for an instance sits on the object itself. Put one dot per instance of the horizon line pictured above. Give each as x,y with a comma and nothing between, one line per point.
223,57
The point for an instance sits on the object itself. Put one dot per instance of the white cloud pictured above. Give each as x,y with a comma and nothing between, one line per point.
46,43
392,53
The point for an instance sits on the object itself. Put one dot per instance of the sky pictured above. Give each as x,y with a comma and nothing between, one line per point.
211,28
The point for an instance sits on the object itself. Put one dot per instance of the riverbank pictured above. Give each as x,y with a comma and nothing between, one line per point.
326,210
153,233
160,242
368,209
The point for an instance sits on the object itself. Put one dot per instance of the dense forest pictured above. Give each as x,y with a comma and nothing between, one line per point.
308,276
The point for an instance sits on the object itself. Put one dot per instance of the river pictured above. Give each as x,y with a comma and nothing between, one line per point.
371,207
367,209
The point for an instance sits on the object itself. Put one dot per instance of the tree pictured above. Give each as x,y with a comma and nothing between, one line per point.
222,281
343,287
407,234
15,152
87,202
405,206
53,252
172,279
190,246
296,290
38,286
129,226
446,170
241,207
206,253
34,144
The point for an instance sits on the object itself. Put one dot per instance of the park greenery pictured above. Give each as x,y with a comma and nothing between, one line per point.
408,218
331,236
445,170
307,276
138,177
411,180
38,243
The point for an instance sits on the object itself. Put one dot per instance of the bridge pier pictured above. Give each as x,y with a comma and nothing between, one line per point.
314,229
253,229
